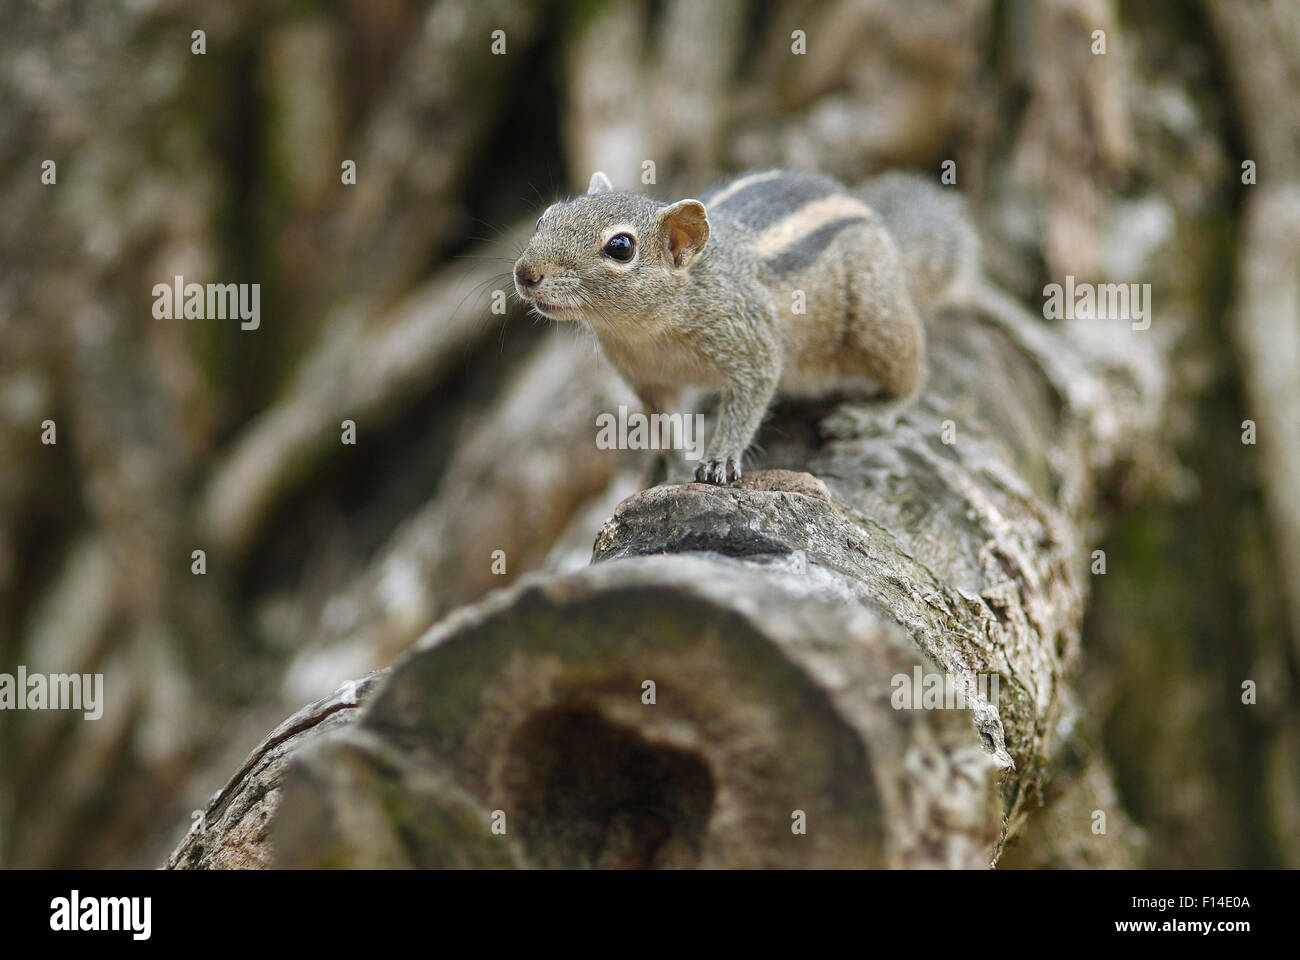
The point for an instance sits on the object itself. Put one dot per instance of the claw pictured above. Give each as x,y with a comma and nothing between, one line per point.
718,470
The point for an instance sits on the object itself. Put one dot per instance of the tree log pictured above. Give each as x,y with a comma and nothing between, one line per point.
722,686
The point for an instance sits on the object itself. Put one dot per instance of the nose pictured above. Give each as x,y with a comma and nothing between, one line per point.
526,276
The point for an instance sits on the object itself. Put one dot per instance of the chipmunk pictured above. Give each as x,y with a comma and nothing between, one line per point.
773,281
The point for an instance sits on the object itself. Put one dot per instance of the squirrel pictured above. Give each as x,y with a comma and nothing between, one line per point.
772,281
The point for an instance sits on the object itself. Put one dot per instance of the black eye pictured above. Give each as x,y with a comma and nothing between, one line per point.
538,224
621,246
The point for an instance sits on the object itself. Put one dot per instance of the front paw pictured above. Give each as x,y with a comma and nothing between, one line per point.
718,470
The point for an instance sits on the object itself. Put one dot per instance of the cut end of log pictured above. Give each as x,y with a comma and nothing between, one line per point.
650,713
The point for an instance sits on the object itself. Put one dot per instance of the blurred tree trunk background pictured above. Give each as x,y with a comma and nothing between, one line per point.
325,560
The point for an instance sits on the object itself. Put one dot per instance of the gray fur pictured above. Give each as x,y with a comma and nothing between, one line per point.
710,302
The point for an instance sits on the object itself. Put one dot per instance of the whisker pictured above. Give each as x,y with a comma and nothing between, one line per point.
491,226
613,327
477,289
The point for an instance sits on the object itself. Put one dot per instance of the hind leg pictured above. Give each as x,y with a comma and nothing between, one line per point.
884,338
879,359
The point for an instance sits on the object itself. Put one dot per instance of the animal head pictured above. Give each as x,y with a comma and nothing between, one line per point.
606,253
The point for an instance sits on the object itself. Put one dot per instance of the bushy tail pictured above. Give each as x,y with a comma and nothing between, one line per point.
930,225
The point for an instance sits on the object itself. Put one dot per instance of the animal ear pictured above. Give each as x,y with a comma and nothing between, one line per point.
599,184
685,227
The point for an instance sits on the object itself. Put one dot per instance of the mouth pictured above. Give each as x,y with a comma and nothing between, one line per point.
553,310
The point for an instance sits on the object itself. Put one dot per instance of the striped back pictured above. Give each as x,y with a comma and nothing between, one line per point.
793,217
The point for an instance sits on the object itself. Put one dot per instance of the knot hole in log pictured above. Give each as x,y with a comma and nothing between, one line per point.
589,792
